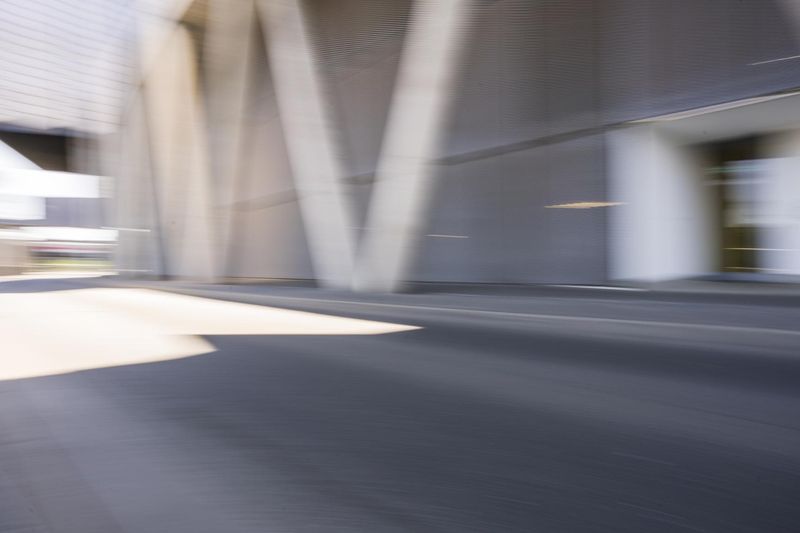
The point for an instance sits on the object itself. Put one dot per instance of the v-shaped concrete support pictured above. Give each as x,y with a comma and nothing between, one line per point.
310,141
424,90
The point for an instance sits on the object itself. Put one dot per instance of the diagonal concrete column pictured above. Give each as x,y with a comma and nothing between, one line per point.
310,141
230,41
176,124
427,75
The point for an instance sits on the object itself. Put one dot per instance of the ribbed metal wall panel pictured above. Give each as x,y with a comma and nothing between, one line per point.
65,63
358,43
490,221
546,67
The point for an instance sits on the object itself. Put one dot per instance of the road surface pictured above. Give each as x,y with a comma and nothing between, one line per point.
132,410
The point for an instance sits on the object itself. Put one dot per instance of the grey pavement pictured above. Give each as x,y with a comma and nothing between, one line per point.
554,411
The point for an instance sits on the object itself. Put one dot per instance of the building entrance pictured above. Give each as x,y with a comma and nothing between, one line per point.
732,177
753,199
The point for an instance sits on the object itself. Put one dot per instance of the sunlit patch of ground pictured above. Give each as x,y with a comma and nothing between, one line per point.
46,333
64,274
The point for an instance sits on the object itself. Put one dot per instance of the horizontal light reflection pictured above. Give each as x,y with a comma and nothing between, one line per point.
583,205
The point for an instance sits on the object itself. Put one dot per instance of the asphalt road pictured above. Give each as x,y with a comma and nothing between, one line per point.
566,414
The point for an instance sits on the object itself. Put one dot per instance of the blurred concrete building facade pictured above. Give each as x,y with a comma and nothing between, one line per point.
367,143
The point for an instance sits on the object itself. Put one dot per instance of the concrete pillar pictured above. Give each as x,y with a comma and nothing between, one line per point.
230,40
417,120
663,228
310,141
179,149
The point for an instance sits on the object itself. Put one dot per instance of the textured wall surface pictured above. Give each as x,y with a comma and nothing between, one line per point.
66,63
267,237
542,81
